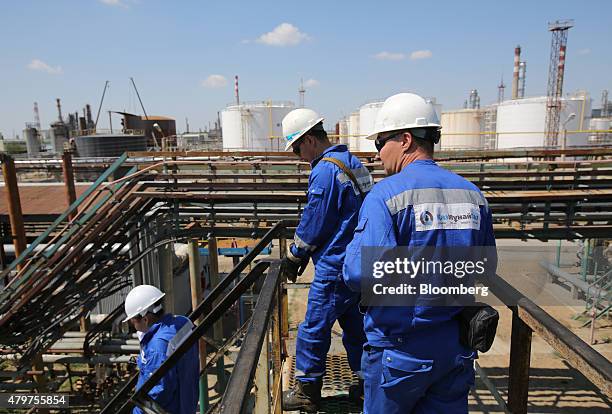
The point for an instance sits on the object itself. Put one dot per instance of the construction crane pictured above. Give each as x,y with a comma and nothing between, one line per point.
556,70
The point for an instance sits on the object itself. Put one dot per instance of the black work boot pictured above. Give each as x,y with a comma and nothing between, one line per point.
305,395
355,392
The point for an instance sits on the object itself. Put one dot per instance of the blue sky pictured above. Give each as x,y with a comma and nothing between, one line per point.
351,52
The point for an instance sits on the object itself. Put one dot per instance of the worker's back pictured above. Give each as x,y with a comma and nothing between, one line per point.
423,205
177,392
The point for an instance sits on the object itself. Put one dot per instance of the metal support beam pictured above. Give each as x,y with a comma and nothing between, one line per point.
69,182
520,357
196,297
14,203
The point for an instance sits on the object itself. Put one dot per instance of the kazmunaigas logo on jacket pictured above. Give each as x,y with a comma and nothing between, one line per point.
441,216
426,218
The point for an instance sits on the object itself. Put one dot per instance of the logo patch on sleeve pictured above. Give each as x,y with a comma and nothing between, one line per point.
439,216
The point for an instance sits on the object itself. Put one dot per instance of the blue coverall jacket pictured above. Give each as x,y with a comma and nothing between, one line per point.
325,229
414,361
177,391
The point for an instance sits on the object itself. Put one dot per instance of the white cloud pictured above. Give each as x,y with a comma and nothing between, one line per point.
389,56
214,81
115,3
37,64
584,51
311,83
285,34
420,54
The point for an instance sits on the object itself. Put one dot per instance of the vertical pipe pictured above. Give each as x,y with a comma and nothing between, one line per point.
14,203
213,266
262,380
69,180
515,72
196,297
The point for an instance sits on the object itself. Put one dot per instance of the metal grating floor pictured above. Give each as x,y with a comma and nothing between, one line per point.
338,377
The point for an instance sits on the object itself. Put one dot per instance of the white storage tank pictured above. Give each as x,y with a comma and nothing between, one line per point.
353,130
367,120
343,131
461,130
254,126
600,138
522,122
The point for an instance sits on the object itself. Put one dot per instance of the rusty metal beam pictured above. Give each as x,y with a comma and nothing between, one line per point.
14,203
69,181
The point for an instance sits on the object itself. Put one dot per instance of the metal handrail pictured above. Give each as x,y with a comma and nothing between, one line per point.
529,317
237,391
206,307
140,396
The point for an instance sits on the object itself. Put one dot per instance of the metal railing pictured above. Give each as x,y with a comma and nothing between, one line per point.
213,307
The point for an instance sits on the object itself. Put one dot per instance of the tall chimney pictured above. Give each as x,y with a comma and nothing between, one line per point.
561,70
236,90
88,116
59,110
522,75
515,73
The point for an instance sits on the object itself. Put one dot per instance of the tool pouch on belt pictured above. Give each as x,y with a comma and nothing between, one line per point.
477,326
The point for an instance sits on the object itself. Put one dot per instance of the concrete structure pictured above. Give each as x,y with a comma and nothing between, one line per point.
30,135
254,126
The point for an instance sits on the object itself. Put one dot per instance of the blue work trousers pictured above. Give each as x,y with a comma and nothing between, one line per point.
328,300
430,373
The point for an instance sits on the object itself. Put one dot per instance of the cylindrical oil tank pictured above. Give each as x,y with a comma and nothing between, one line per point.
353,131
30,136
255,126
600,138
104,145
461,130
367,119
522,122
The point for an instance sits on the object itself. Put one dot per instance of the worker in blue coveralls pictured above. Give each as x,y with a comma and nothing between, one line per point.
336,187
413,361
160,334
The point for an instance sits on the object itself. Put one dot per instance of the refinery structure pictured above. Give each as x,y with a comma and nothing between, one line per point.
88,213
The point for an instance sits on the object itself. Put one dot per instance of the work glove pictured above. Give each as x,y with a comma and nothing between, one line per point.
292,268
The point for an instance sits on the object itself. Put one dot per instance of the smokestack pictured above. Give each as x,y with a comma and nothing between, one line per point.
515,73
59,110
561,70
236,90
522,74
88,116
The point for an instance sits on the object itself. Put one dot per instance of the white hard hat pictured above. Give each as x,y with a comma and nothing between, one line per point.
404,111
140,300
296,123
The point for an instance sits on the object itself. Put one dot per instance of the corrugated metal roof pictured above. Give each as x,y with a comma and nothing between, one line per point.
40,198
